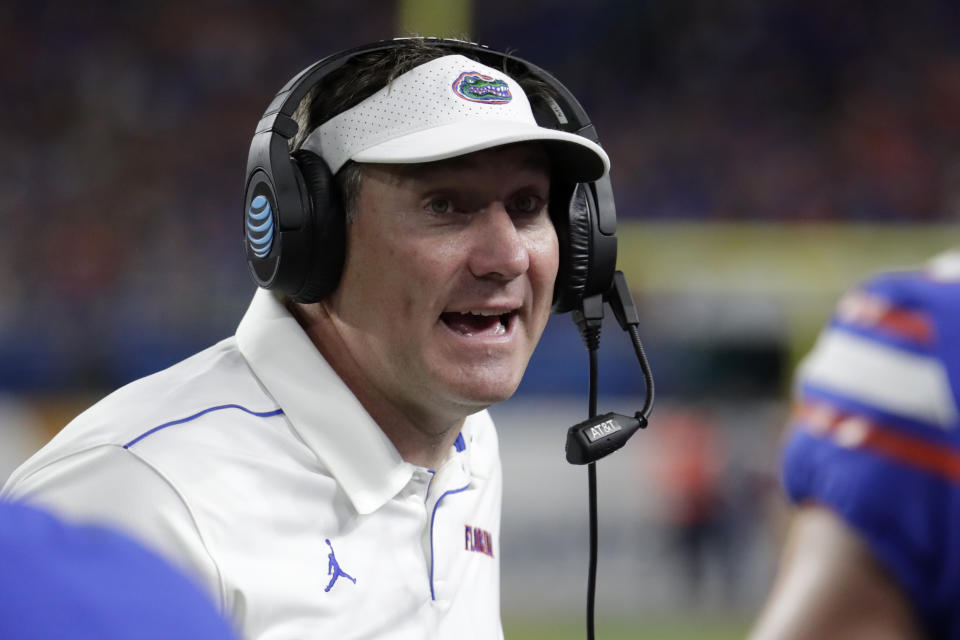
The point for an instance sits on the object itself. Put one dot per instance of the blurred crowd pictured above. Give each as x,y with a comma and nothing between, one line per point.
751,110
126,129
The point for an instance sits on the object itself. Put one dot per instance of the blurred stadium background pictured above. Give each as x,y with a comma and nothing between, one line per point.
766,156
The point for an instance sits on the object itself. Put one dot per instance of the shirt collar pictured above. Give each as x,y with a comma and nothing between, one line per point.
322,410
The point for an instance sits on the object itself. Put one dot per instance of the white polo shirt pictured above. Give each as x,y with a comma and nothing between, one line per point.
253,467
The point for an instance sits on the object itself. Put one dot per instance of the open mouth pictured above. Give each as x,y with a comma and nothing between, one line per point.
478,323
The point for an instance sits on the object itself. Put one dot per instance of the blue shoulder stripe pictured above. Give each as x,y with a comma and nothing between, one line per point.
259,414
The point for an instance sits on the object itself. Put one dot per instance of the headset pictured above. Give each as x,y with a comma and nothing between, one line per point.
294,220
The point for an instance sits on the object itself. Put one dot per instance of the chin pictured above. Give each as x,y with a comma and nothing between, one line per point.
480,392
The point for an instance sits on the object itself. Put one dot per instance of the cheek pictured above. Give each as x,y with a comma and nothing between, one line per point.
370,274
400,272
544,253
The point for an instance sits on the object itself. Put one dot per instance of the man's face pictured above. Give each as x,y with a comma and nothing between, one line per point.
448,279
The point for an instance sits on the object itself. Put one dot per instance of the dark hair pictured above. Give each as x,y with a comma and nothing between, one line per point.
365,74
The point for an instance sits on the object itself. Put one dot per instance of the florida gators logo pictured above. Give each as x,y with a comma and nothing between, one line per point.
477,87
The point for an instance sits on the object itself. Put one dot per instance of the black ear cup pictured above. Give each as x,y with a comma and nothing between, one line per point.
573,225
324,229
586,230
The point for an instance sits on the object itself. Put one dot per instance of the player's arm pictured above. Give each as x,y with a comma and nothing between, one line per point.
831,586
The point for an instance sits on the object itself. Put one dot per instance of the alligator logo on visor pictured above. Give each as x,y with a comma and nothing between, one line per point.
477,87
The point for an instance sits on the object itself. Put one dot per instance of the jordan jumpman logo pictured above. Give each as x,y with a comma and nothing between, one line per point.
333,569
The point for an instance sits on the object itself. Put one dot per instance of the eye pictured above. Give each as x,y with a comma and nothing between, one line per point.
527,204
440,206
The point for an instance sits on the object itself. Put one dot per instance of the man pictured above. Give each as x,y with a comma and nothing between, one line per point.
331,470
90,583
873,462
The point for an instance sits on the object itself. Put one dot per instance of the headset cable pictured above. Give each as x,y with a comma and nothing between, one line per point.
599,436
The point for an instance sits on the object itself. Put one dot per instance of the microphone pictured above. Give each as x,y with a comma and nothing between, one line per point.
598,437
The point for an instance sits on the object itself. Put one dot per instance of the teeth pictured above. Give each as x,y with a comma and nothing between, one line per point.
484,313
498,330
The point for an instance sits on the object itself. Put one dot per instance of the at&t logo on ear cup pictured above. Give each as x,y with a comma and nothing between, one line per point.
260,226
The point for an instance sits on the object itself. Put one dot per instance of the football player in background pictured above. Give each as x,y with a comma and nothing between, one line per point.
872,464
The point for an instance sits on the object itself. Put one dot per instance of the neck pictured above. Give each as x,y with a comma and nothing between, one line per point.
420,438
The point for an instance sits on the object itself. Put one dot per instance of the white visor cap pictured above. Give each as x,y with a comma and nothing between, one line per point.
447,107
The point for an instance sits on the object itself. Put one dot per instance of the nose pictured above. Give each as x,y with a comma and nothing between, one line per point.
499,250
